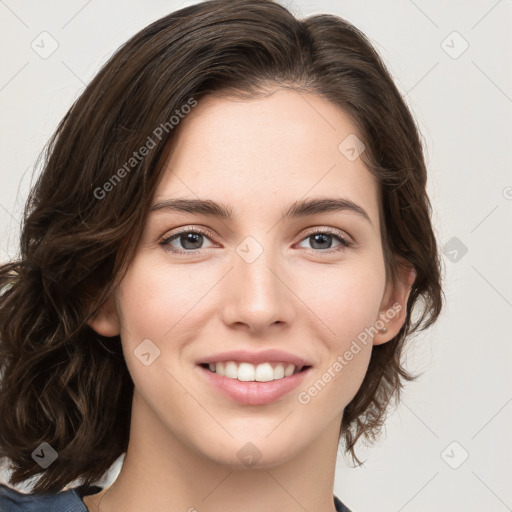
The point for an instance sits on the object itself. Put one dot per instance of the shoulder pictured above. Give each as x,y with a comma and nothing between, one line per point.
70,500
337,503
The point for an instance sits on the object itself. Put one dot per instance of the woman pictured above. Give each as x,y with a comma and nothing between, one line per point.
219,265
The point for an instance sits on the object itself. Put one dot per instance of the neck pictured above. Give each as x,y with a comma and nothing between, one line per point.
162,472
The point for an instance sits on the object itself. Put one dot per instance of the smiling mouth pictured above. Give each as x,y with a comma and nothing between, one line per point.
247,372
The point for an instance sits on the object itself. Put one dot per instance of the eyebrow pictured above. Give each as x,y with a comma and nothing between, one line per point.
300,208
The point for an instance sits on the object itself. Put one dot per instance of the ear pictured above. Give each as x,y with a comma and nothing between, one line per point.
393,310
106,320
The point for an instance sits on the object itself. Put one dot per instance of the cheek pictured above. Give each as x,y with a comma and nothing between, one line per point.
346,299
152,300
169,307
346,302
157,305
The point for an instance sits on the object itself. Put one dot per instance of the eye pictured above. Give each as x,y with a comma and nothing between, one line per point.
322,241
191,239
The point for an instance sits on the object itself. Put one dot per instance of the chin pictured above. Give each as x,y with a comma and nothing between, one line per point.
253,453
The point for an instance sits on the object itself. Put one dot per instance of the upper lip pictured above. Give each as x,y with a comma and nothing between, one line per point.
269,355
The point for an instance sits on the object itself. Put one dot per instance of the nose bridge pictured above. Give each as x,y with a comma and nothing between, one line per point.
259,296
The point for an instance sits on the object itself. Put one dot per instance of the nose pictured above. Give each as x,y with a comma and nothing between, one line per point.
258,294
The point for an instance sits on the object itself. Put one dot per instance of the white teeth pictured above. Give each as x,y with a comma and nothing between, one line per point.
230,370
264,372
247,372
279,371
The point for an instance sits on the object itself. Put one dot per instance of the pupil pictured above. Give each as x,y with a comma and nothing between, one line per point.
319,238
190,238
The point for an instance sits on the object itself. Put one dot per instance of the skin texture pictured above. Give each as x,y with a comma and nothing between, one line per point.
258,156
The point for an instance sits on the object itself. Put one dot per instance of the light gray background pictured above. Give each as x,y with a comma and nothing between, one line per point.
463,104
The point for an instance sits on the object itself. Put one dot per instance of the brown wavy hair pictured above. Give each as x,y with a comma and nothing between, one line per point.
64,384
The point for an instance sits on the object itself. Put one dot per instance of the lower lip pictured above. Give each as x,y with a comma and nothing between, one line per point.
254,393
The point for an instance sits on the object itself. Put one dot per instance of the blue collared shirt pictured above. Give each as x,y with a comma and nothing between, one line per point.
69,500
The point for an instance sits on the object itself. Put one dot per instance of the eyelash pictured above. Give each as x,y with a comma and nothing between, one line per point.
165,243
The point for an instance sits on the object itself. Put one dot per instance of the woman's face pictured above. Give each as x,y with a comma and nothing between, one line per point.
307,284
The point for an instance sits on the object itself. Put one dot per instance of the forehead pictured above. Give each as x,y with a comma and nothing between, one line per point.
267,151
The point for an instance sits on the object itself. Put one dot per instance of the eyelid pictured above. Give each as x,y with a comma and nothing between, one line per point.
166,238
346,239
211,234
328,230
187,229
